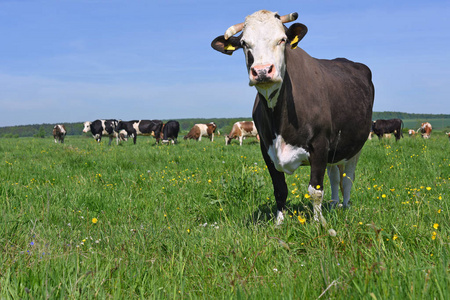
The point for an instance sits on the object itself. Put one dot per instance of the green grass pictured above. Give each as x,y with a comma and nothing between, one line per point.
195,220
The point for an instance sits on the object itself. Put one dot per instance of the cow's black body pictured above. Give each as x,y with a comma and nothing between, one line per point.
141,127
381,127
170,131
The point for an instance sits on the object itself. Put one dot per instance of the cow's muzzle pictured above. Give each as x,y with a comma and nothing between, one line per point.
262,73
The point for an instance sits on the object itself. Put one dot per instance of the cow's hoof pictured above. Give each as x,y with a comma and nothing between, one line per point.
280,218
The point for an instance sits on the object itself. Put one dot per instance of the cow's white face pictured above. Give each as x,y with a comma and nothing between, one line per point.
264,41
87,127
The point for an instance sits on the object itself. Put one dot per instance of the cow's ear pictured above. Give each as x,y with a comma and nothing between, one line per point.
226,46
295,34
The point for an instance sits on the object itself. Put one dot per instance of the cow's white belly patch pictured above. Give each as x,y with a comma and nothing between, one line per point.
285,157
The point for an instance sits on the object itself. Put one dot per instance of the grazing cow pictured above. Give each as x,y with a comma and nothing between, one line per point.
59,133
240,130
381,127
425,130
307,111
99,128
412,133
141,127
199,130
170,132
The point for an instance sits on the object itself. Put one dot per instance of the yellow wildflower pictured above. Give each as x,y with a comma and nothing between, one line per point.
435,225
94,220
301,220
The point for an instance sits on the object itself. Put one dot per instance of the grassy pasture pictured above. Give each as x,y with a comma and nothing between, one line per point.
85,220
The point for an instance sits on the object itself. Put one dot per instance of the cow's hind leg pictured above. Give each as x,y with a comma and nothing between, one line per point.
335,180
347,180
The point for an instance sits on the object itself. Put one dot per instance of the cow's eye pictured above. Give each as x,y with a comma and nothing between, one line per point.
282,41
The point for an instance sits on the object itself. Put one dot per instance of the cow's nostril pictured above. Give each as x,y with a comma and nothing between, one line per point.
254,73
270,69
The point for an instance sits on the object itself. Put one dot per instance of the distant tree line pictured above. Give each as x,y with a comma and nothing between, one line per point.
406,116
224,125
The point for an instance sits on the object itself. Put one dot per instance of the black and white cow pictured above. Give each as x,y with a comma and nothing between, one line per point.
59,133
100,128
308,111
170,132
141,127
381,127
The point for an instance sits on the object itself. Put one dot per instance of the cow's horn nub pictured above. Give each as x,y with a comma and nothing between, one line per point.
289,18
238,27
233,30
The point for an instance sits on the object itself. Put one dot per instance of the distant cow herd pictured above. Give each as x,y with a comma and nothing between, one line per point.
162,132
122,130
168,132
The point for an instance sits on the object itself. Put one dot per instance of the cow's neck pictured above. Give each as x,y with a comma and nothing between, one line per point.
281,115
270,95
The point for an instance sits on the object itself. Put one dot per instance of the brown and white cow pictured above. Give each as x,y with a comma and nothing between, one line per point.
241,130
59,133
199,130
425,129
411,133
308,111
448,134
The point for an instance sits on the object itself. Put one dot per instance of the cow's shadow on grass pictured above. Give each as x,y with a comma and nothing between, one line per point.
266,213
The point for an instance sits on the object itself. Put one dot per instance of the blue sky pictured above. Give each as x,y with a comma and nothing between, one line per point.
79,60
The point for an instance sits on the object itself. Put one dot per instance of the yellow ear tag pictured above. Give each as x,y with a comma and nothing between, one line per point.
229,47
294,41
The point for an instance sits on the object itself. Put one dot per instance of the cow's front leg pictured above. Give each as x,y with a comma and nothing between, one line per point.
318,162
280,189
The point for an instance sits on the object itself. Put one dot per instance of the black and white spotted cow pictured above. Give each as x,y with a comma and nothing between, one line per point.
141,127
100,128
170,132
